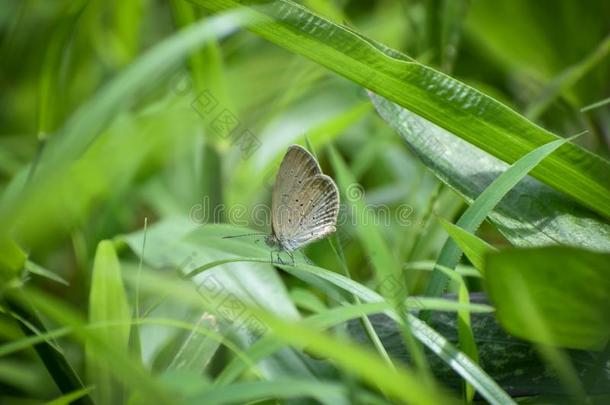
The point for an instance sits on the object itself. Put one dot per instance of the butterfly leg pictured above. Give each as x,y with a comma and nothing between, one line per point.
278,259
291,257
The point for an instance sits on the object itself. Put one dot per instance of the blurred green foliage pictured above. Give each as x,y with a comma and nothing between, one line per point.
118,112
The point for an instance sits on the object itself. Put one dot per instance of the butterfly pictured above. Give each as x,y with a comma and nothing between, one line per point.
305,203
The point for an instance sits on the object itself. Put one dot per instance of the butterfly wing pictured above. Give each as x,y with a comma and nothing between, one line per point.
310,213
297,166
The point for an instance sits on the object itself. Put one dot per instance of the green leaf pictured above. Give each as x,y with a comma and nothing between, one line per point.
107,303
475,214
473,247
400,382
124,368
459,362
369,234
179,245
385,265
515,364
12,259
568,288
450,104
247,392
51,355
531,214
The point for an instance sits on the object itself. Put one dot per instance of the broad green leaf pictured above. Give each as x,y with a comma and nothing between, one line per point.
107,303
568,288
452,105
531,214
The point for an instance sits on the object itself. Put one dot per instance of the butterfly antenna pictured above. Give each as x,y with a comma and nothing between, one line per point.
246,234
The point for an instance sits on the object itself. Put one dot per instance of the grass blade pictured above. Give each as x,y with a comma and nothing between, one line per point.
71,397
107,303
54,361
482,206
473,247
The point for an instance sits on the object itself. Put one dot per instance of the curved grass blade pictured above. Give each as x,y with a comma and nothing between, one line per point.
58,366
483,205
473,247
385,265
196,350
411,303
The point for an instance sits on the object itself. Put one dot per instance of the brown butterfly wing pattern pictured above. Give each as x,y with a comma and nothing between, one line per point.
316,214
297,166
305,201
